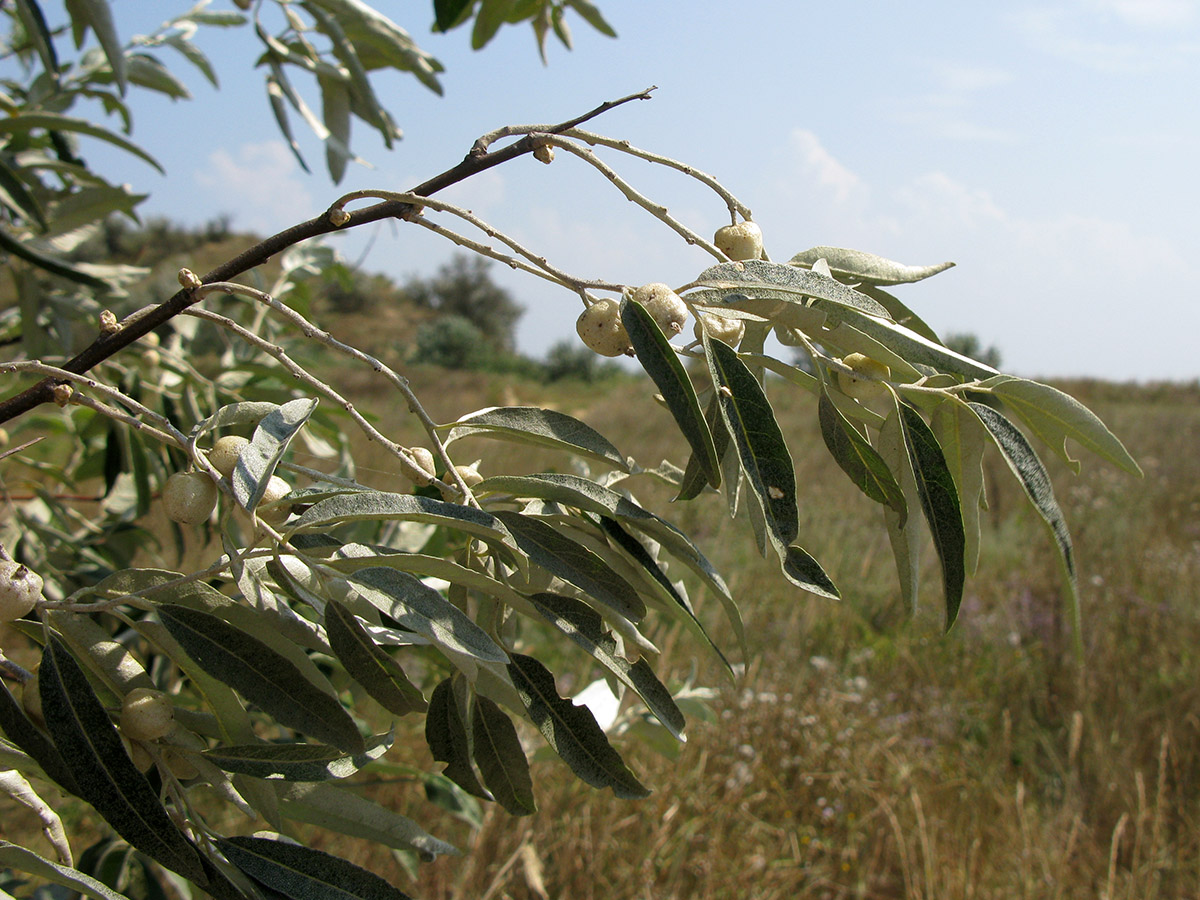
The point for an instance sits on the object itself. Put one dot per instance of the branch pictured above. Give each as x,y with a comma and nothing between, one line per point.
136,326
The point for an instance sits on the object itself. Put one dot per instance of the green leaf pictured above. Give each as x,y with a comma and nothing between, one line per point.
939,500
448,13
802,570
103,772
146,71
694,480
571,730
560,555
501,759
276,94
662,364
585,627
15,195
963,441
422,609
194,55
55,122
294,762
261,675
36,30
302,873
329,806
335,112
539,427
97,15
1024,463
257,460
491,15
19,858
906,548
755,279
858,459
1054,416
866,268
592,16
378,506
899,312
446,735
52,264
18,728
365,662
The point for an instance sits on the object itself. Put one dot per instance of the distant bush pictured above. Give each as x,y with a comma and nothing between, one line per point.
569,359
969,344
452,342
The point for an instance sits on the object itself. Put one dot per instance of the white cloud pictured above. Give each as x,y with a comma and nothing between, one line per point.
945,109
823,170
1150,13
1126,36
262,182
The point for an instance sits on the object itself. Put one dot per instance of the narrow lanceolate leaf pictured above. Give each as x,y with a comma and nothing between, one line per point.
662,364
20,859
571,730
294,762
329,806
302,873
368,664
858,459
97,14
501,759
963,441
447,13
422,609
446,735
52,264
361,506
1054,416
766,462
262,676
906,547
575,564
539,427
585,627
592,16
762,280
939,500
17,727
103,772
694,479
866,268
258,459
1029,470
56,122
335,111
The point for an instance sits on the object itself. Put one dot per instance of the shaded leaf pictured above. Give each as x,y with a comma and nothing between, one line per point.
802,570
365,662
939,500
906,547
49,121
858,459
572,562
103,772
694,479
446,735
18,728
585,627
52,264
16,857
97,15
501,759
540,427
447,13
302,873
658,358
294,762
592,16
963,441
261,675
571,730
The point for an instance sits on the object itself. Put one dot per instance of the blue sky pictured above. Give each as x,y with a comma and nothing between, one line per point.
1049,149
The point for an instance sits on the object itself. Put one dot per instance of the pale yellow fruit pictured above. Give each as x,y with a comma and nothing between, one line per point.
224,454
179,764
869,387
147,715
277,489
189,497
729,331
470,476
20,590
664,305
741,241
140,756
424,460
602,331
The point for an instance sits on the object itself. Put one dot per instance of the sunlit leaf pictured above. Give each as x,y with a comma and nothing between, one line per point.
1054,416
97,15
257,460
963,440
662,364
49,121
571,730
21,859
867,268
294,762
592,16
761,280
540,427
